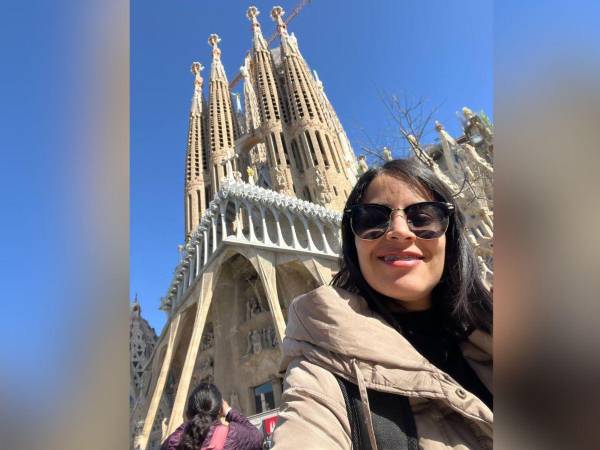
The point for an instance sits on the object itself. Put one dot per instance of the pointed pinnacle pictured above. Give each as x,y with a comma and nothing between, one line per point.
438,126
252,13
197,68
276,14
213,41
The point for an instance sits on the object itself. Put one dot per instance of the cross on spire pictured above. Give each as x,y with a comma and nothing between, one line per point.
196,69
276,14
251,14
213,41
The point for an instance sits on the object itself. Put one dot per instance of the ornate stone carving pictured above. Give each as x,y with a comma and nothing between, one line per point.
323,194
269,337
250,172
280,182
387,154
206,363
253,307
362,165
254,342
250,195
208,338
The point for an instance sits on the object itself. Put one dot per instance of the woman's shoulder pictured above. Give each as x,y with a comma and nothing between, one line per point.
328,296
174,439
243,434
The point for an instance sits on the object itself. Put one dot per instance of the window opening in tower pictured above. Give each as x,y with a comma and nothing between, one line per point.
303,151
275,149
312,149
307,195
322,149
334,156
296,156
285,149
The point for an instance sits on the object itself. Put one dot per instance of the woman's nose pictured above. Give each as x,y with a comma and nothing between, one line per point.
399,228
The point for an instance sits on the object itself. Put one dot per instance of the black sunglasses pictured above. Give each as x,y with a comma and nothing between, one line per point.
427,220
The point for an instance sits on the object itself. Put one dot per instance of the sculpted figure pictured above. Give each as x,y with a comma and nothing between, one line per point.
387,154
273,337
208,339
279,178
362,165
256,341
322,192
250,172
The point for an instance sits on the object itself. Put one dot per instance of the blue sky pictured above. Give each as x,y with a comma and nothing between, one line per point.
436,49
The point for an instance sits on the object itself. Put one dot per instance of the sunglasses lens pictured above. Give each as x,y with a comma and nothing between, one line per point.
427,220
369,221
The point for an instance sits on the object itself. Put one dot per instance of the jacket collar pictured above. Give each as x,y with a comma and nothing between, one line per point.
336,329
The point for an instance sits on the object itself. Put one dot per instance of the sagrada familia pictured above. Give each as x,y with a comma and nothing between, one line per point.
264,187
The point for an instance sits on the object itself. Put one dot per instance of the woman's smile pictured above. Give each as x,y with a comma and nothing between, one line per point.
401,259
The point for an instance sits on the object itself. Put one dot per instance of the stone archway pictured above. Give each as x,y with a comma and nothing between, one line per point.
246,352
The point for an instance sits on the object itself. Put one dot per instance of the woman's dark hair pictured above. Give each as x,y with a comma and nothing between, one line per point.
203,407
460,297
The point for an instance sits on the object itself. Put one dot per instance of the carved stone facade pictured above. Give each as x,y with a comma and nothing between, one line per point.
286,138
465,165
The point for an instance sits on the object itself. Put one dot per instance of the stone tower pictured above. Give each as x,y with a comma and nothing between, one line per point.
288,137
320,168
195,188
220,120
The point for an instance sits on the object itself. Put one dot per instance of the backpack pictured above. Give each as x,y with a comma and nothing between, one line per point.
392,417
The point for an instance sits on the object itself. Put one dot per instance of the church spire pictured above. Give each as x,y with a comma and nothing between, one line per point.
258,41
276,14
195,165
220,118
198,82
251,103
314,137
217,70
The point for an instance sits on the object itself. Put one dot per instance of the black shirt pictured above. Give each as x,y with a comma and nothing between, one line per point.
425,331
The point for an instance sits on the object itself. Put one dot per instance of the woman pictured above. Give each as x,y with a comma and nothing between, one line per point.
212,424
397,352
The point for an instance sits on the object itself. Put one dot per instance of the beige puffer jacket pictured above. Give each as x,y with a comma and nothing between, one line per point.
331,331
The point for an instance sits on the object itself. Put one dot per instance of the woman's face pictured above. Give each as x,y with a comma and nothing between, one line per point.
417,267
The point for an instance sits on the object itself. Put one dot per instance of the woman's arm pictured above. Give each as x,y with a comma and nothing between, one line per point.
313,412
245,435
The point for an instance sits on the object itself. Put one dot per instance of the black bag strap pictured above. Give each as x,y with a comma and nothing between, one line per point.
358,434
406,440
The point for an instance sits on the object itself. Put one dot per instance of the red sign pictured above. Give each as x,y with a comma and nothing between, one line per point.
269,424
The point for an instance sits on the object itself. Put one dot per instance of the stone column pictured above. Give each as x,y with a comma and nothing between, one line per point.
263,264
206,289
160,383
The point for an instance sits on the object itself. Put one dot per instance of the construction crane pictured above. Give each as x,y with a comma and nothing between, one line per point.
292,15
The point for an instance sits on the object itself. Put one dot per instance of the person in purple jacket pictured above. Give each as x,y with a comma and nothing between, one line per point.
206,415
